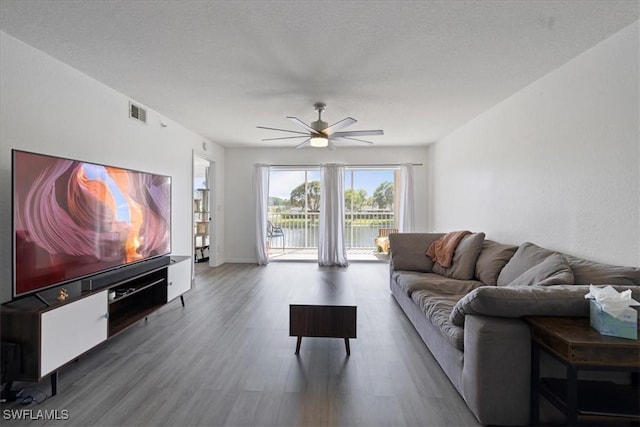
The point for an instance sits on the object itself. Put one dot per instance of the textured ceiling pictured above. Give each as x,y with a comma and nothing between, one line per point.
418,70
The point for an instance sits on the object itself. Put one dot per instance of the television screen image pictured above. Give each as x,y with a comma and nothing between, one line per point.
73,219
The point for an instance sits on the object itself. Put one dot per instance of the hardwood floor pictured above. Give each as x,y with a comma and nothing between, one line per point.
226,359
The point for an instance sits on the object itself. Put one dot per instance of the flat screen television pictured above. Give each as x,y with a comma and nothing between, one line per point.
73,219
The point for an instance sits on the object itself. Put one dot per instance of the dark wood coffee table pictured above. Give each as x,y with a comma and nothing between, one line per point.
326,310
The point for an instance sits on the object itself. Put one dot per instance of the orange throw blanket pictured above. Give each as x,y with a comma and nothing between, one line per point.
441,250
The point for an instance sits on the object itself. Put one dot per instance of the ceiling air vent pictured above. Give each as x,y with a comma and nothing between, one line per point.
137,113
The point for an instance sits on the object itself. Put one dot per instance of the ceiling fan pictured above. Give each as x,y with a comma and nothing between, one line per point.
320,134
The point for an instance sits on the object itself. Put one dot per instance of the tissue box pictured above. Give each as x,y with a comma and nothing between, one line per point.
606,324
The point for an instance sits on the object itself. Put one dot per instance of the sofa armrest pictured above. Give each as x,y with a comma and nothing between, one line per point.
496,371
518,301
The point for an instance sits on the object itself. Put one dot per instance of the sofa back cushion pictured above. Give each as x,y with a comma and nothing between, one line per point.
527,256
594,273
465,256
492,259
585,272
408,250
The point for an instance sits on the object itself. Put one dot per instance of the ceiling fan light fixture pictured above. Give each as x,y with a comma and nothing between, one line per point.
319,141
319,134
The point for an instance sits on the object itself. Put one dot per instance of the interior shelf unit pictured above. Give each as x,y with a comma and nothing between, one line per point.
201,220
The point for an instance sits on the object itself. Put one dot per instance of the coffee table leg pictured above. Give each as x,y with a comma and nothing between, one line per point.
346,345
298,345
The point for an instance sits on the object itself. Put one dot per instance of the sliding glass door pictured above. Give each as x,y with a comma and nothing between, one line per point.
294,204
369,205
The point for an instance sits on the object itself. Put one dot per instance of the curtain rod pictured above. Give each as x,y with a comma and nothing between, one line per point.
358,165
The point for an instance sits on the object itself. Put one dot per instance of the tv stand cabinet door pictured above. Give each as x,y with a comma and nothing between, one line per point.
72,329
179,277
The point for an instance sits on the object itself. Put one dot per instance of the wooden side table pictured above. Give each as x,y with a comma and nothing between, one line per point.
572,342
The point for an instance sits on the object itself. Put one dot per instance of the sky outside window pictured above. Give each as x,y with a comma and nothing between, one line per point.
369,180
281,182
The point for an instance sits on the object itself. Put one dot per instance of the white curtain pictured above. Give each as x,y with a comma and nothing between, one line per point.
406,217
331,248
261,194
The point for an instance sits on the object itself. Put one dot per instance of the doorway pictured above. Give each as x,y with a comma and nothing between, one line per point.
203,218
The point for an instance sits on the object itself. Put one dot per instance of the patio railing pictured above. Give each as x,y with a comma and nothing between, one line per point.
301,229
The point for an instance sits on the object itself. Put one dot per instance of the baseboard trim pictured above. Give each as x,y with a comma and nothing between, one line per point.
240,261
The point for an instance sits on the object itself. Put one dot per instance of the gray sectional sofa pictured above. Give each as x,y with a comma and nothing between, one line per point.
470,314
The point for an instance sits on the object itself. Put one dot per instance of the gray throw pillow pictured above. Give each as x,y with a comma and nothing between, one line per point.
465,256
554,270
528,255
493,257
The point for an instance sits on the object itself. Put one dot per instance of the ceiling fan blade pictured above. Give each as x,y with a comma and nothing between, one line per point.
303,124
348,139
283,130
304,144
306,135
339,125
359,133
331,146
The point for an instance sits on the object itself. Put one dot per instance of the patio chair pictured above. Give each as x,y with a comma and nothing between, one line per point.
273,231
384,232
382,241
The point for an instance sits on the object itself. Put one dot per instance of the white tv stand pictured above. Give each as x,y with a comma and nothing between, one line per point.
51,337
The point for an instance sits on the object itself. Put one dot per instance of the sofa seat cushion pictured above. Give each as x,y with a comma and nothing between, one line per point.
465,256
437,307
411,281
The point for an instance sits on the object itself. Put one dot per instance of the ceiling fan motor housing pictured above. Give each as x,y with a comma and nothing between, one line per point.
319,125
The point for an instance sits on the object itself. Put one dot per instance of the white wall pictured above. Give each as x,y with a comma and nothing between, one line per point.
556,164
240,217
49,107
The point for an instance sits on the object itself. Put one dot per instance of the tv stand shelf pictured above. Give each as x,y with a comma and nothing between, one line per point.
123,322
128,292
136,298
51,337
